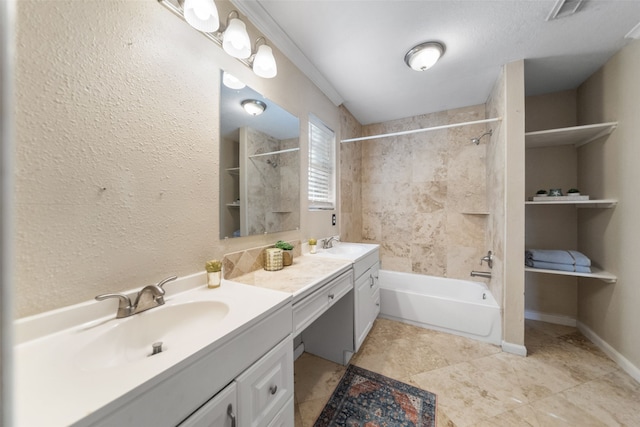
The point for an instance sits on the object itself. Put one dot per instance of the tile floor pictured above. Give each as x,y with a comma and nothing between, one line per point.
565,381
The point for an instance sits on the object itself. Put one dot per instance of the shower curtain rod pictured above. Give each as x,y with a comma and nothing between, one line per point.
407,132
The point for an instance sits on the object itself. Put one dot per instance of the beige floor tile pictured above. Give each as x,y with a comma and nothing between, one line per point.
565,381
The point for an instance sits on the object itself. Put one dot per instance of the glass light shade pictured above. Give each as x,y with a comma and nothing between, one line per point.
202,15
254,107
424,56
236,40
231,81
264,64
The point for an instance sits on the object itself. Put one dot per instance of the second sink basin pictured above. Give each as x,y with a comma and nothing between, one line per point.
346,250
130,339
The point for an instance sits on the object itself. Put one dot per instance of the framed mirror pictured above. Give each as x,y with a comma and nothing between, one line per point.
259,163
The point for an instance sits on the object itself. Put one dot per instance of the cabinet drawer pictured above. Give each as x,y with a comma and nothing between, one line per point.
218,412
265,387
312,307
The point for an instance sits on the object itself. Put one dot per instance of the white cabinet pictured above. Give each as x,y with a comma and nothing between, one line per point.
261,396
367,303
220,411
265,388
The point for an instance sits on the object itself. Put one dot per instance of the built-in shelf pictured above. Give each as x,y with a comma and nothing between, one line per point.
288,150
233,205
575,135
475,213
596,273
233,171
601,203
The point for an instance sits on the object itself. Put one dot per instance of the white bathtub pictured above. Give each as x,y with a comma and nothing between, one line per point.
458,307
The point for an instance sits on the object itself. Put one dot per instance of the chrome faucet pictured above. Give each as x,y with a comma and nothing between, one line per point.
149,297
328,243
488,258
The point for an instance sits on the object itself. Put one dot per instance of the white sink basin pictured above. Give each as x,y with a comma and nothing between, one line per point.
346,250
84,362
130,339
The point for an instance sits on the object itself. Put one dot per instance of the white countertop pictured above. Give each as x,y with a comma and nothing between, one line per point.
299,279
55,385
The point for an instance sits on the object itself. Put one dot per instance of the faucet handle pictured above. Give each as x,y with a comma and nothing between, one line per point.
124,300
124,306
165,281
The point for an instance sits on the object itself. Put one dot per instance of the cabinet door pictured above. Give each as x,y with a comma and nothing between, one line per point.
367,303
362,308
285,417
375,293
266,386
220,411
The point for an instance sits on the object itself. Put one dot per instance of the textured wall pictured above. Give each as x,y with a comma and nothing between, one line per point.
608,168
417,188
117,154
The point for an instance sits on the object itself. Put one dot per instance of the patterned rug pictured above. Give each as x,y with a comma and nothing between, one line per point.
366,399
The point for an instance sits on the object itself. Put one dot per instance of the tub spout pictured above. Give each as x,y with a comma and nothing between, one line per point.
485,274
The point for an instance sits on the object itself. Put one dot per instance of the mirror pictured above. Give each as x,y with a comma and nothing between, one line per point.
259,166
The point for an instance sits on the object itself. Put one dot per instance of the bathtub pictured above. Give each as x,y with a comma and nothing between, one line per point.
455,306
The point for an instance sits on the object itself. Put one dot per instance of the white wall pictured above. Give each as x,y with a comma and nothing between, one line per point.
608,168
117,148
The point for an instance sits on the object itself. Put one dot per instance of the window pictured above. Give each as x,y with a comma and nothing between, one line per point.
322,175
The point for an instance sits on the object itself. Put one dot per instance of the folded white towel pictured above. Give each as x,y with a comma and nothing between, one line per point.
558,257
557,266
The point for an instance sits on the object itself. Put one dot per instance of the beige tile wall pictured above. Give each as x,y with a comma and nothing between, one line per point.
350,179
418,191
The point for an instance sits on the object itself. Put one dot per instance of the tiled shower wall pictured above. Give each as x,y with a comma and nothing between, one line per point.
350,179
424,195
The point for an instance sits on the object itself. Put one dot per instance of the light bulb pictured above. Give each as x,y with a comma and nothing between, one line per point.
264,64
202,15
231,81
236,40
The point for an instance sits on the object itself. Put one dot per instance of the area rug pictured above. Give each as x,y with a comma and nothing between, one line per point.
366,399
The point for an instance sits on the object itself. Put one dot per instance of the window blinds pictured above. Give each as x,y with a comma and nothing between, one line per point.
321,183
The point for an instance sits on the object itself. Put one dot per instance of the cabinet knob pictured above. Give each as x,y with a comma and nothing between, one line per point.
273,389
331,296
371,281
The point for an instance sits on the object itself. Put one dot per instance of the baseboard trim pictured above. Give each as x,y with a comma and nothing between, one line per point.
550,318
622,361
518,349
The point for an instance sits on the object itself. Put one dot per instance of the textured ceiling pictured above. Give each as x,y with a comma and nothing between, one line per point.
354,50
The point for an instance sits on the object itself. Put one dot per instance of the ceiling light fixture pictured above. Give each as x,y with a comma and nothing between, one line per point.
253,106
232,37
424,56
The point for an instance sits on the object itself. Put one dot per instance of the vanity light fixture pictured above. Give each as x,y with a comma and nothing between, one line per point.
264,64
201,15
424,56
232,37
232,82
253,106
235,40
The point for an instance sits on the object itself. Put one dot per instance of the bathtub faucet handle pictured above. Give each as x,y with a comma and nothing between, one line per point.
488,258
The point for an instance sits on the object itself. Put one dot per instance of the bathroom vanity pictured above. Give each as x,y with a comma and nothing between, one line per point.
80,366
207,356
